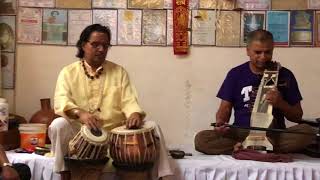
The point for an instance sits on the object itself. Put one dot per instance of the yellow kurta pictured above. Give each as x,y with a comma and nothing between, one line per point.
118,98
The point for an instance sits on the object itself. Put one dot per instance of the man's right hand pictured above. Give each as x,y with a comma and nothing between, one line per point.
91,120
221,127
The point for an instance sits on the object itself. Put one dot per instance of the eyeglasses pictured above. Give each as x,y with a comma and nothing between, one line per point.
96,45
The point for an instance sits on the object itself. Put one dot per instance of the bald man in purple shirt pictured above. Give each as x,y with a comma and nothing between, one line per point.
238,92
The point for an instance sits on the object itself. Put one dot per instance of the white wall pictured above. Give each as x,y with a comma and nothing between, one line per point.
177,92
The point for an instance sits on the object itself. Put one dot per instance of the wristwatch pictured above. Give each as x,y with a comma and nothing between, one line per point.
6,164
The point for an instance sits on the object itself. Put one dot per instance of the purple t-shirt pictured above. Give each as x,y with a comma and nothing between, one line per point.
240,88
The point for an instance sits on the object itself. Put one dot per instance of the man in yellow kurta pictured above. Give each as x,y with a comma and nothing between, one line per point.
108,99
92,91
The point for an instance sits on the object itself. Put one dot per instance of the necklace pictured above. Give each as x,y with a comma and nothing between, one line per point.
87,73
94,107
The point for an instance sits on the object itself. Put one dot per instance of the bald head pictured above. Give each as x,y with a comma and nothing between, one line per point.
260,35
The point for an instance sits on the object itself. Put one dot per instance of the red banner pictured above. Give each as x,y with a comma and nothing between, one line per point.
180,27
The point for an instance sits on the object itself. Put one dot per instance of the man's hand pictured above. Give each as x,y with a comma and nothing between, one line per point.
91,120
134,121
9,173
237,147
274,98
221,127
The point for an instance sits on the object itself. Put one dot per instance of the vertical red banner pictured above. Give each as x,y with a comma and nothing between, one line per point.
180,27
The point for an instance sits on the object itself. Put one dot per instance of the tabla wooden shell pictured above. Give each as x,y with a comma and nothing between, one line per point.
86,145
134,148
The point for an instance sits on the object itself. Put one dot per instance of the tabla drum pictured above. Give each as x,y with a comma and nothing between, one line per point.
134,148
89,144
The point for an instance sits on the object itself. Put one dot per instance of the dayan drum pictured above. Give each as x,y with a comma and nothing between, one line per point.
89,144
134,148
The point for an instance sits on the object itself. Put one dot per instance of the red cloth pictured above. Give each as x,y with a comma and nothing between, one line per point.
249,154
180,27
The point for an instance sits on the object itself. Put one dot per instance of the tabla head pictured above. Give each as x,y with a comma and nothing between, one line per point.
96,132
147,126
98,136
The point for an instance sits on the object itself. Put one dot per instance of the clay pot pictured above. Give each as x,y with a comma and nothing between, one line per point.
11,139
45,115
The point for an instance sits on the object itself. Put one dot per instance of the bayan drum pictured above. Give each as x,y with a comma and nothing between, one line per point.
134,148
89,144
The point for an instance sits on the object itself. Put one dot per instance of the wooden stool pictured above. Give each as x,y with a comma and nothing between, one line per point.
86,169
133,175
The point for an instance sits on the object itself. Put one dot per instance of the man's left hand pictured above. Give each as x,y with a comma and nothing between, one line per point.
134,121
9,173
237,147
274,98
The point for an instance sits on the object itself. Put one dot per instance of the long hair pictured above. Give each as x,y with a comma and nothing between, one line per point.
85,35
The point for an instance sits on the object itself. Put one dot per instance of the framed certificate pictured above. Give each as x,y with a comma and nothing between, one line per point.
8,7
216,4
313,4
154,27
228,28
278,23
120,4
7,33
83,4
203,27
129,27
193,4
289,5
146,4
36,3
301,28
54,27
317,28
254,4
7,70
29,25
78,20
250,21
109,18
